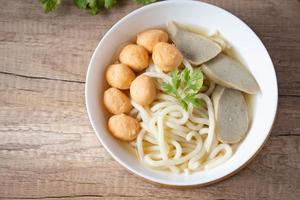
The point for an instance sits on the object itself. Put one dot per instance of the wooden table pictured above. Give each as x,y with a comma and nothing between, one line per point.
48,149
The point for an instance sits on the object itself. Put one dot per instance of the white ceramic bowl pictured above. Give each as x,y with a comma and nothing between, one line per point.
239,35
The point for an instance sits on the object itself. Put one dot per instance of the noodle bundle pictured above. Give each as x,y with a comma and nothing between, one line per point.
174,139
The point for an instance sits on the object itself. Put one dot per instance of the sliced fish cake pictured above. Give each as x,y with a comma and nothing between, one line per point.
194,47
231,114
229,73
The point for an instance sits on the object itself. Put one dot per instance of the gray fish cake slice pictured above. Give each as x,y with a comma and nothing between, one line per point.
229,73
196,48
231,114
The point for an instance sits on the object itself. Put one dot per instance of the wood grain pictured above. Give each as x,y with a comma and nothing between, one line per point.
47,147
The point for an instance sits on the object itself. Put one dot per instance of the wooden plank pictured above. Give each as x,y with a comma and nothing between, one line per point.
47,147
58,170
58,45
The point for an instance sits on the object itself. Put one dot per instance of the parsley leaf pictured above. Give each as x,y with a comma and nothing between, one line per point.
185,86
192,99
197,103
168,88
49,5
195,82
93,5
185,76
82,4
144,1
108,4
183,104
175,79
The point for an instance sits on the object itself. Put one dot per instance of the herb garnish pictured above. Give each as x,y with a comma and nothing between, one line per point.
92,5
185,86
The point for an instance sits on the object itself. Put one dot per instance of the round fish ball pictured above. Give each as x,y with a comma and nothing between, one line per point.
149,38
124,127
135,56
116,101
166,56
119,76
143,90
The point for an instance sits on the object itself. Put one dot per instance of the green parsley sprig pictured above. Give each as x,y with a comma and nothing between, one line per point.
49,5
144,1
185,86
94,6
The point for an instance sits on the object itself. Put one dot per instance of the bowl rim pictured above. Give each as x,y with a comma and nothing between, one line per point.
148,178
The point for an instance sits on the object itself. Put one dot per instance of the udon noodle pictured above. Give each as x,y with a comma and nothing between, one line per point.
174,139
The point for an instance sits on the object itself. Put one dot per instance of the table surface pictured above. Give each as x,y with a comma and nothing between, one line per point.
48,149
